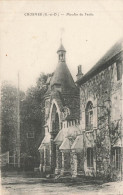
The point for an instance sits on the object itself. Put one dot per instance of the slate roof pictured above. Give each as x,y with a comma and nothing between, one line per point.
63,76
65,145
104,62
65,136
45,141
61,135
78,143
71,131
61,48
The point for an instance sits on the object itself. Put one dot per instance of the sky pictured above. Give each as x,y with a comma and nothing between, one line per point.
29,44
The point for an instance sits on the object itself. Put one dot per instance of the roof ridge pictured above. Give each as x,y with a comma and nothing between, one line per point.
113,51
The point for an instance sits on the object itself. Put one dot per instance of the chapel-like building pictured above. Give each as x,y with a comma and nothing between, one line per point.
62,117
83,120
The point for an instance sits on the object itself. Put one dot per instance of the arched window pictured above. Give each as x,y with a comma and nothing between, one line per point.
89,116
55,119
56,122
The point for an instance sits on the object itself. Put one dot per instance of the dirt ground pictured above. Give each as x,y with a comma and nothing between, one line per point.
18,185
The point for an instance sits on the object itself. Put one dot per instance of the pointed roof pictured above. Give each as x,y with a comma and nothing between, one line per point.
65,145
73,131
63,77
45,141
61,48
62,74
61,135
78,143
59,138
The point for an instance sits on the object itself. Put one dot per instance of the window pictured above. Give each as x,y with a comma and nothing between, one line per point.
80,162
116,153
55,119
30,134
89,116
119,70
89,157
61,57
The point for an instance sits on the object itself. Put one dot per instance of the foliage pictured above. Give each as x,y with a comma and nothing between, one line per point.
115,131
9,116
106,136
31,117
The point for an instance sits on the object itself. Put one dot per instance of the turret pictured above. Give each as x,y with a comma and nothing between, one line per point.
62,79
61,54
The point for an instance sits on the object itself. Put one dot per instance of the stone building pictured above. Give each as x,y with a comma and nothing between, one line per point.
61,112
83,120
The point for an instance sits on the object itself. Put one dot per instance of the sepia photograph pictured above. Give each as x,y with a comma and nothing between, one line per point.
61,121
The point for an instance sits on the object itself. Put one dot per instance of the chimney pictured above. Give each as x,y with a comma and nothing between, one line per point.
79,74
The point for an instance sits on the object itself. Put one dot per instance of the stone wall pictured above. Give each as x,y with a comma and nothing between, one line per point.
105,92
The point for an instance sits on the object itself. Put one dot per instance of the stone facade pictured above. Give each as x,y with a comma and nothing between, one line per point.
102,87
83,131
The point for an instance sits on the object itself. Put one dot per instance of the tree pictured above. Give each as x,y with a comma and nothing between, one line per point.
33,118
9,116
